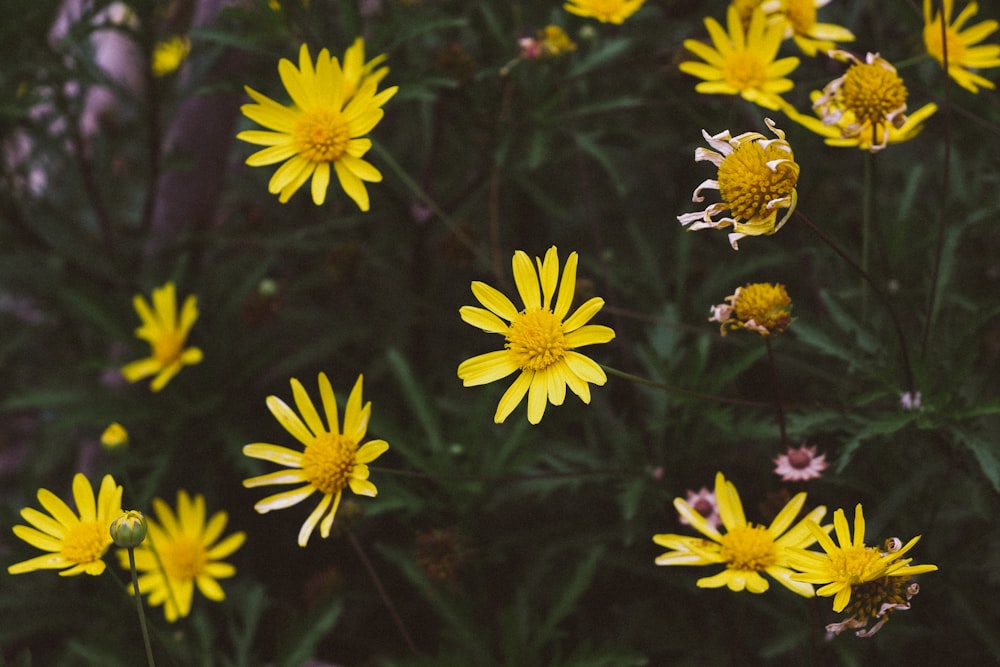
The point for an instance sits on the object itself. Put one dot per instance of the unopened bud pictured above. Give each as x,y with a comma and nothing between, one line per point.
114,437
129,530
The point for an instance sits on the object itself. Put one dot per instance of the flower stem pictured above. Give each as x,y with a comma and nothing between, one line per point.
777,392
866,224
382,593
683,392
903,350
138,606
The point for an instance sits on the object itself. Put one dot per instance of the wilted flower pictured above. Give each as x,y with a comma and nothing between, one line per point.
834,132
800,464
760,307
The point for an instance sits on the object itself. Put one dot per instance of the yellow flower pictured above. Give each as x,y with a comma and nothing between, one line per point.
850,564
114,437
742,62
798,19
357,72
964,51
760,307
180,551
745,549
324,126
76,544
333,459
169,54
540,340
166,335
866,102
835,131
605,11
756,179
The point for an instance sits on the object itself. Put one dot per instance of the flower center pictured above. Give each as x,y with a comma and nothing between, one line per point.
748,547
767,305
321,135
704,508
536,339
329,461
932,38
856,564
802,15
184,558
748,184
867,598
86,542
799,459
167,348
873,92
744,70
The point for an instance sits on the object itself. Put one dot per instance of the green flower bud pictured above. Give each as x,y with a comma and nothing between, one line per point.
129,530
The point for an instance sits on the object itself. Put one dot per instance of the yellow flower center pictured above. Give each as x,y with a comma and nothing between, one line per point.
748,547
747,184
802,15
184,558
167,347
932,39
744,70
536,340
86,542
872,92
321,135
856,564
767,305
329,461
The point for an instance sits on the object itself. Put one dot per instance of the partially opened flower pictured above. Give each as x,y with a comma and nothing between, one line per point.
540,340
183,550
333,459
746,550
605,11
324,127
756,180
798,19
75,542
800,464
965,53
742,62
843,567
166,332
760,307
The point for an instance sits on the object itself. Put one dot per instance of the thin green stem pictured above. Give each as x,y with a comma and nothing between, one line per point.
138,605
903,349
683,392
777,392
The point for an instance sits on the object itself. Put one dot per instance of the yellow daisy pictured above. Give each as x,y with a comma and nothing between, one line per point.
842,568
540,342
76,544
181,551
798,20
756,179
760,307
169,54
840,132
743,61
166,335
605,11
357,72
964,51
332,460
324,127
746,550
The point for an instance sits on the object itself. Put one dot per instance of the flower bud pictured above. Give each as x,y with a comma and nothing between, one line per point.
129,530
114,437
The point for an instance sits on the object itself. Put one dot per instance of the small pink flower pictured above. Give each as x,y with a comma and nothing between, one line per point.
703,502
800,464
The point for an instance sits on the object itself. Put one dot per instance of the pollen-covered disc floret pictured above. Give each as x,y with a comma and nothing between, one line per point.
332,460
540,341
851,563
965,53
746,550
871,92
761,307
756,180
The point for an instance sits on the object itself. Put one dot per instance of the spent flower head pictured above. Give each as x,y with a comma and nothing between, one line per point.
166,331
540,340
843,567
183,550
76,543
331,461
333,108
800,464
605,11
965,53
798,20
875,601
746,550
760,307
742,61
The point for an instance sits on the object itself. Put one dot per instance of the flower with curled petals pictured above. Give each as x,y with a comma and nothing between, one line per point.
76,542
541,341
840,130
745,549
333,459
